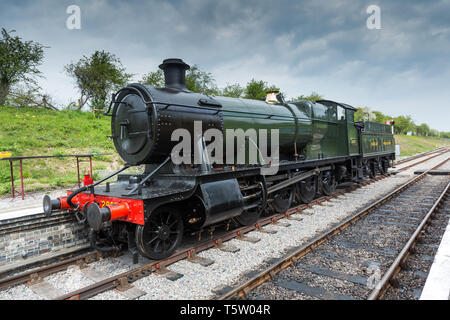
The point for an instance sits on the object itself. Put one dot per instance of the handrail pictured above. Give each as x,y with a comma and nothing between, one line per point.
57,156
21,158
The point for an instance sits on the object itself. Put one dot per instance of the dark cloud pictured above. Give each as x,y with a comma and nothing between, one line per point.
301,46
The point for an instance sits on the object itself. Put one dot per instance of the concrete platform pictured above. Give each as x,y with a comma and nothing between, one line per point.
20,211
32,202
437,286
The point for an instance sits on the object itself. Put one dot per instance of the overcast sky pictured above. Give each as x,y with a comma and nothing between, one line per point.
300,46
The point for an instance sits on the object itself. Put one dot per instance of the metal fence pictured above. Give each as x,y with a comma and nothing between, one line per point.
79,158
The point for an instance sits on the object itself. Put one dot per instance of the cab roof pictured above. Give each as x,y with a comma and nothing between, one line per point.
343,105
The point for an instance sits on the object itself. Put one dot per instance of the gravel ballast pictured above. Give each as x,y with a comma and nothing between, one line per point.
229,268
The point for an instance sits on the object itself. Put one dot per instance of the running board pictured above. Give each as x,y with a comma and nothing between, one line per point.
295,179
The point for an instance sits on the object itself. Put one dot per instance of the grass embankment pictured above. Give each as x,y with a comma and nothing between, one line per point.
410,145
31,131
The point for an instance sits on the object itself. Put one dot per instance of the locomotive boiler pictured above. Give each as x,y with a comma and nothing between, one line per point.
318,145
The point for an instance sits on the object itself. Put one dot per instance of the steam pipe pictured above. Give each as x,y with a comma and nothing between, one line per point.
84,188
149,176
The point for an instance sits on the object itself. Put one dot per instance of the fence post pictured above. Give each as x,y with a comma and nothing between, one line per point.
90,164
21,179
78,173
12,178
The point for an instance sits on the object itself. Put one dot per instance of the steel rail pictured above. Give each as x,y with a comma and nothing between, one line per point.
424,160
396,266
50,269
283,263
158,266
94,256
419,155
89,257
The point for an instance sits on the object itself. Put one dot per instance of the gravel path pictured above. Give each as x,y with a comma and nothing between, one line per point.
198,282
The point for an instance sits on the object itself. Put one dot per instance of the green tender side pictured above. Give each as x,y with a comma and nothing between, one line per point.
377,139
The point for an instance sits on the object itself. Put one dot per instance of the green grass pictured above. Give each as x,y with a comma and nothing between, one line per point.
410,145
32,131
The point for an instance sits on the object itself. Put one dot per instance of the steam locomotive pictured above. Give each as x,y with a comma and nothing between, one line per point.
319,145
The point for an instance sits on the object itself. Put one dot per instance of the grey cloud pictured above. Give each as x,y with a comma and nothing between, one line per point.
300,46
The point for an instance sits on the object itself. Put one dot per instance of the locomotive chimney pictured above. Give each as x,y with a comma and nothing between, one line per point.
174,73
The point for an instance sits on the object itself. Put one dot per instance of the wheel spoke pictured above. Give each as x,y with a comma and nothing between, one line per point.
161,233
172,224
157,245
153,239
168,218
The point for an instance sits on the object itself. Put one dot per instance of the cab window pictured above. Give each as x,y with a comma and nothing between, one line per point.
350,115
331,113
320,111
340,113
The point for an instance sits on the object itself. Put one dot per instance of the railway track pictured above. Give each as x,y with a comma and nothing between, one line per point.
158,266
422,161
46,270
419,155
348,261
416,260
124,279
35,221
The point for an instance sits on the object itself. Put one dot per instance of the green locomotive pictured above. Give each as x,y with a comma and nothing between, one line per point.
319,145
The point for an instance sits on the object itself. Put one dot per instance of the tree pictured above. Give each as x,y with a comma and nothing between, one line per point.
434,133
18,62
445,135
96,76
257,89
201,81
423,130
196,81
154,79
233,90
359,114
314,96
380,117
29,96
364,114
403,124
